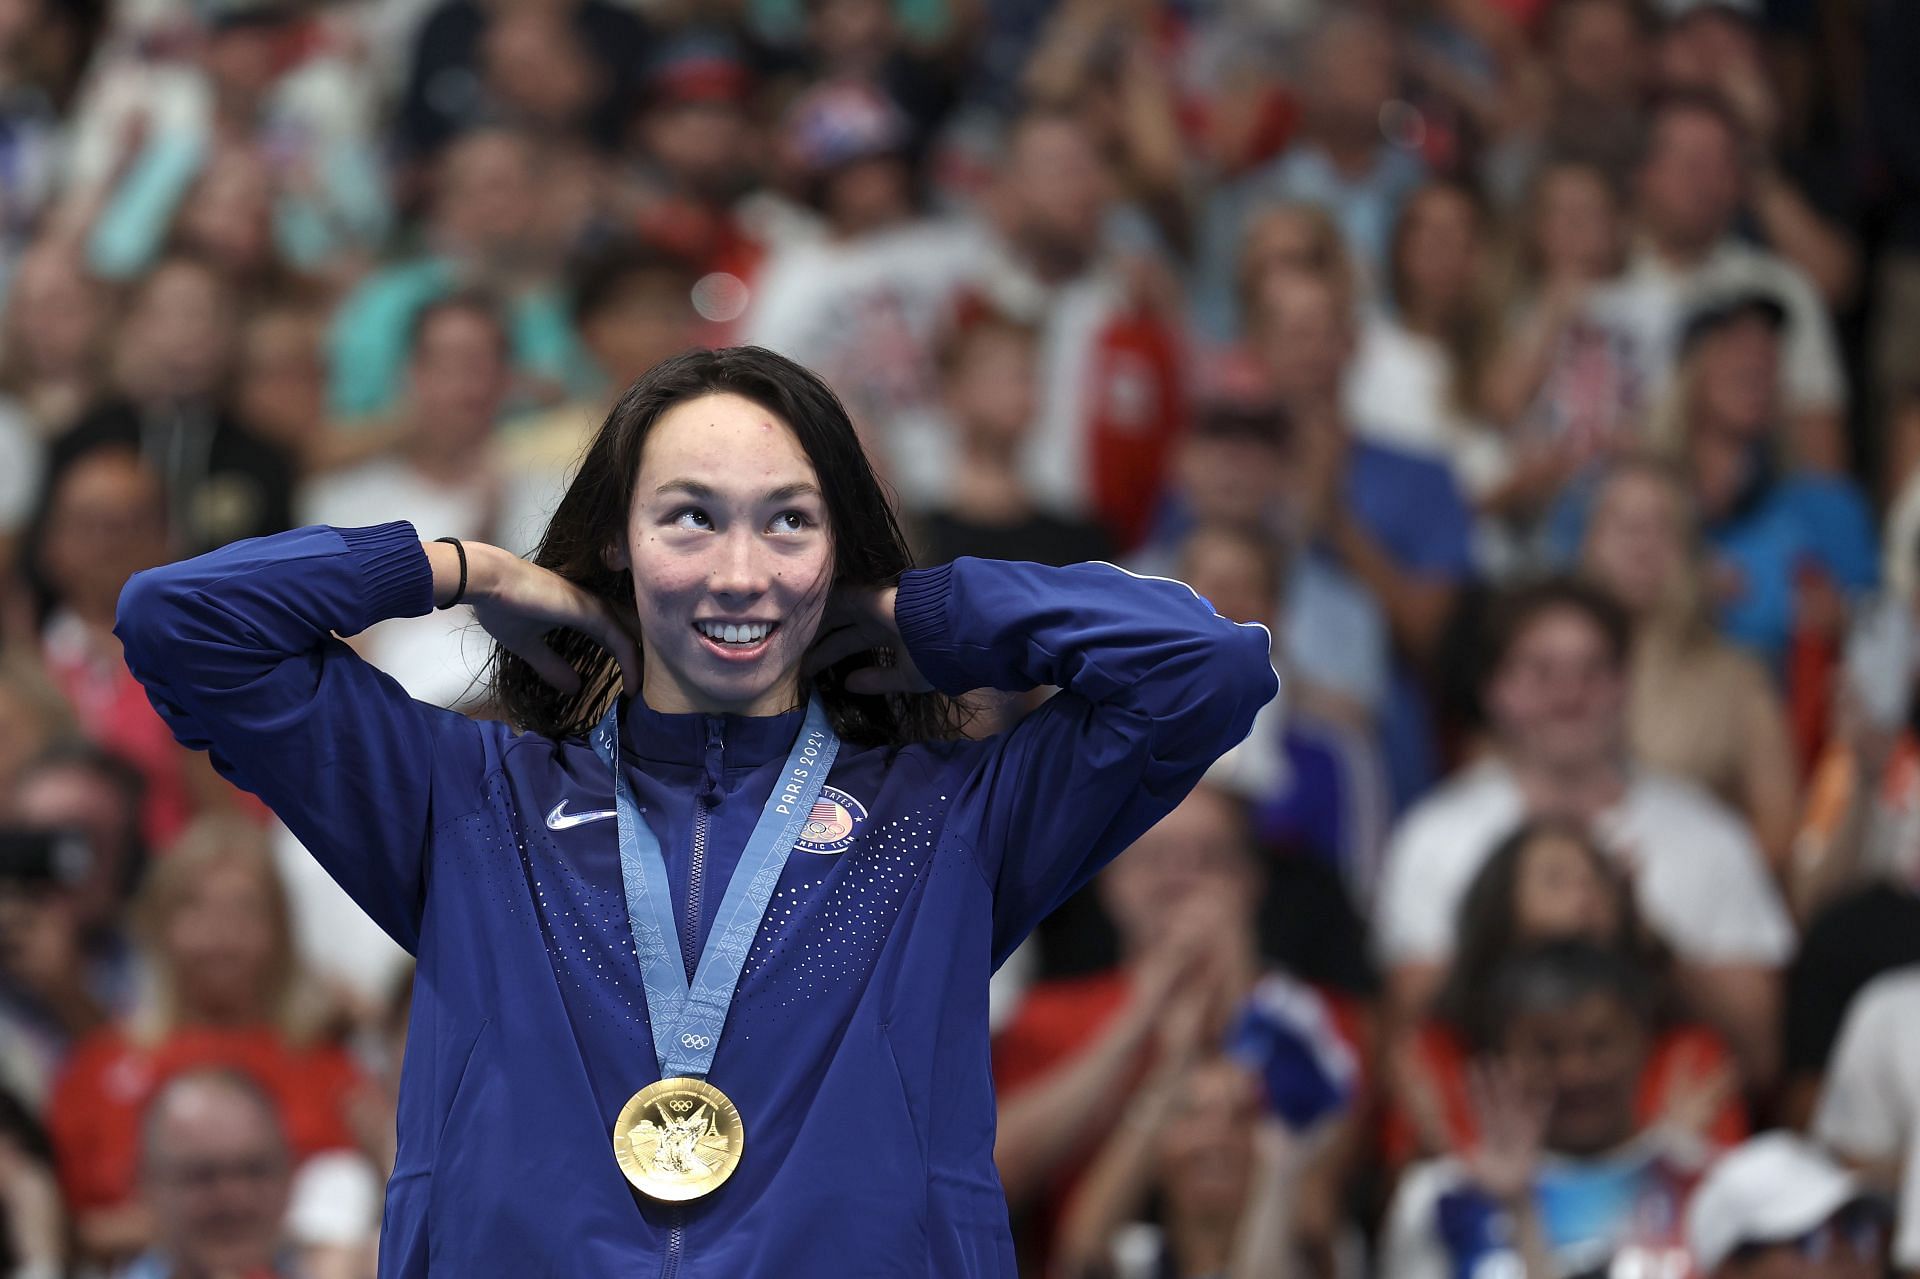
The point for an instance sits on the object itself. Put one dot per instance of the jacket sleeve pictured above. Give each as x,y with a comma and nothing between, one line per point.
1154,687
237,653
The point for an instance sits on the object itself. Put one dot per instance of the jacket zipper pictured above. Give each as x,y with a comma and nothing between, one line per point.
697,857
690,934
676,1244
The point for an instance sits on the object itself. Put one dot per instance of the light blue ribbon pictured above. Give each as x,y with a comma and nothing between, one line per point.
688,1017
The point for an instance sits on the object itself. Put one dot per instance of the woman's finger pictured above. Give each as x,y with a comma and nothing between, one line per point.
548,665
834,646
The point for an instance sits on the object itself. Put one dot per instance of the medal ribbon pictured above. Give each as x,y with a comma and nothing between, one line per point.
688,1017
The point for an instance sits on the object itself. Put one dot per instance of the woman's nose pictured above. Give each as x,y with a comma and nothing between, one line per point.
740,566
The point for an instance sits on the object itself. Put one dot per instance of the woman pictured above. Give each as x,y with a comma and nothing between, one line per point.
1697,706
213,925
1546,882
1417,372
842,1108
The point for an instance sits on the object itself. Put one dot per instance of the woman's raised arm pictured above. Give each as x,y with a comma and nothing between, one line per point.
237,651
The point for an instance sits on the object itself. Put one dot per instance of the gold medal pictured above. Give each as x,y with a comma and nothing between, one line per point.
678,1139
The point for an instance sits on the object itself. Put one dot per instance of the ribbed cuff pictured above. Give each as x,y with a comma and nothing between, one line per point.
920,612
395,569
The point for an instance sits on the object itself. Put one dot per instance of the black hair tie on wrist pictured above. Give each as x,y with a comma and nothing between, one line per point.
460,592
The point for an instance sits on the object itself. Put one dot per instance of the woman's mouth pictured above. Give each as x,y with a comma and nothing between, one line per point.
736,641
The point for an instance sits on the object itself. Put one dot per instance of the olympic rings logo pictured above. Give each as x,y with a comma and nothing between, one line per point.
696,1041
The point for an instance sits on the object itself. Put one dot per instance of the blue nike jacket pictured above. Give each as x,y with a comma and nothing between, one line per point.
856,1048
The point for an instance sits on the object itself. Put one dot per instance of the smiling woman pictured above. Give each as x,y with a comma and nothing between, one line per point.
657,1043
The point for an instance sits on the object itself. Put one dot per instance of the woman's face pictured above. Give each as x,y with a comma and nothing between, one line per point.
1207,1153
1560,894
1737,376
219,943
1439,250
1578,230
731,558
56,313
1636,543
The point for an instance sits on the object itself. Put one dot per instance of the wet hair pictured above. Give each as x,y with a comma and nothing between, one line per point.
1555,975
1487,929
869,549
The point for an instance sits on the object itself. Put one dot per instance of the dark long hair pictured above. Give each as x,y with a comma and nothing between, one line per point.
869,549
1487,934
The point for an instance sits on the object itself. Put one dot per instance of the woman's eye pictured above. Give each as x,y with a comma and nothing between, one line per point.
692,517
790,522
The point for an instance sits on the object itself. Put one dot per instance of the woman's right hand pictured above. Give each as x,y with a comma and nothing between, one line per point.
520,603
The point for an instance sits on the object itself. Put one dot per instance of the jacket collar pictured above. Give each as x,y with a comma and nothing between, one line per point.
745,740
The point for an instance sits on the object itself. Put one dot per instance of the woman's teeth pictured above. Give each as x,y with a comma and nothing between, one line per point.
730,633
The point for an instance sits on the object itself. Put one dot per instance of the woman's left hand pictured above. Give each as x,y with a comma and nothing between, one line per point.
860,620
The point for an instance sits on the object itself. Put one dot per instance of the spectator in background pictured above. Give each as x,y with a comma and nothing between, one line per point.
1548,882
1869,1108
216,1177
1554,695
69,963
33,1225
444,472
480,232
1564,1177
280,391
51,358
1184,900
632,307
213,925
177,344
1777,1208
1420,366
104,521
847,146
1596,63
1788,542
1692,183
690,157
1562,384
32,127
1697,707
33,716
472,69
1200,1144
1720,48
991,383
1342,160
1312,777
241,179
1285,238
1110,394
1391,522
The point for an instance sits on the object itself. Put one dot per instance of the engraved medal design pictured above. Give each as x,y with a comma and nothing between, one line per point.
678,1139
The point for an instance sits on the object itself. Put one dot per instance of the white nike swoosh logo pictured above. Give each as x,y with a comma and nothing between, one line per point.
561,819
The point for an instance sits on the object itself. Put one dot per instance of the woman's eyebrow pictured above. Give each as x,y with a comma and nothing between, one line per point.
706,492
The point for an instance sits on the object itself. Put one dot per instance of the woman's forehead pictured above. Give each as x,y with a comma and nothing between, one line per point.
727,444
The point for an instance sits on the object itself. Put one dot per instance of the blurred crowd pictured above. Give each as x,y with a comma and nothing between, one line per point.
1544,373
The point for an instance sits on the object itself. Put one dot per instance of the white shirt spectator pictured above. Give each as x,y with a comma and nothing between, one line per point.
1869,1109
1700,878
1652,300
869,315
438,658
1399,392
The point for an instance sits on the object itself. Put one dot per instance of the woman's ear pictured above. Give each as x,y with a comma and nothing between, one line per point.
614,556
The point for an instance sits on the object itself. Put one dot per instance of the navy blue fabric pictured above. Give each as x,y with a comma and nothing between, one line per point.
856,1048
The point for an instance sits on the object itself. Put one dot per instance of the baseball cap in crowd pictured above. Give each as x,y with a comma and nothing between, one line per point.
699,67
231,15
1717,310
1675,10
1773,1189
838,124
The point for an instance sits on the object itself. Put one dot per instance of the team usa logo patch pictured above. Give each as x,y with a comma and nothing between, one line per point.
832,824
